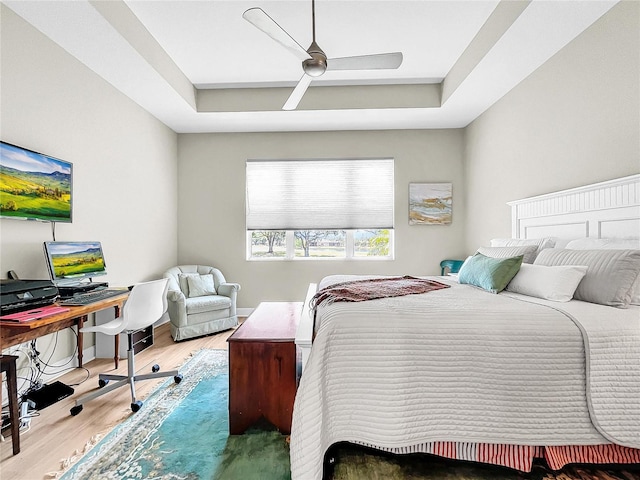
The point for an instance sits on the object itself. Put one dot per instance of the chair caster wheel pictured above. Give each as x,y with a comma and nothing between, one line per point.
177,378
75,410
102,383
155,368
136,406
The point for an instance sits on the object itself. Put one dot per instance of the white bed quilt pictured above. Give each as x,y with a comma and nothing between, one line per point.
463,365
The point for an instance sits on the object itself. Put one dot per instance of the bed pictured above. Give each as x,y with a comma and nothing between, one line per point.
497,378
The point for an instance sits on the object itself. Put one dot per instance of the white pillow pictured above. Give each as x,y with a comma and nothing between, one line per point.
201,285
556,283
528,252
182,281
561,243
611,244
610,279
541,243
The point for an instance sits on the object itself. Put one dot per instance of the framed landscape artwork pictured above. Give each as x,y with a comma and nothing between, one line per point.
430,203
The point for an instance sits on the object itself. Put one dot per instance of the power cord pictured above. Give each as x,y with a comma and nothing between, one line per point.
46,364
27,412
33,379
39,366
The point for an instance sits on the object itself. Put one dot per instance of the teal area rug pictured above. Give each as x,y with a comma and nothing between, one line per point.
182,432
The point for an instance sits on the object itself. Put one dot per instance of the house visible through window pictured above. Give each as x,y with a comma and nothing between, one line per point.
320,209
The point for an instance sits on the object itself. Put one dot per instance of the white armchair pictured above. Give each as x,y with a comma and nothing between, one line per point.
200,301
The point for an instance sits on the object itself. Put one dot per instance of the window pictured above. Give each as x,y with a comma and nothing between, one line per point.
319,209
317,244
267,244
320,243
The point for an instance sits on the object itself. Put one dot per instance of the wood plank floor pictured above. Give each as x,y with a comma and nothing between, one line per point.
55,434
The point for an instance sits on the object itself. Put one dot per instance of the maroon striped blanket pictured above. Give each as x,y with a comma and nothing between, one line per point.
372,288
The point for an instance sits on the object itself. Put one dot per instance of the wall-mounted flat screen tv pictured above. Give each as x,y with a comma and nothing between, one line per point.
34,186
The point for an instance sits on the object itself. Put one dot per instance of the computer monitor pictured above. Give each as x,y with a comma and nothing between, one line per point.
70,263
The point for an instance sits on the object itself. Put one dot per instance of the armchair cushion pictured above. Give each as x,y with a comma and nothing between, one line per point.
207,304
200,285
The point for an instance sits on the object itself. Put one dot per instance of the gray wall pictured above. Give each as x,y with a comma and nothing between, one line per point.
124,161
212,218
574,121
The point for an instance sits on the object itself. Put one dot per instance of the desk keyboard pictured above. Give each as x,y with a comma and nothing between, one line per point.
91,297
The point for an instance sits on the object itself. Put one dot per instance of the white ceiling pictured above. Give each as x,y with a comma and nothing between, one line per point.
215,46
168,55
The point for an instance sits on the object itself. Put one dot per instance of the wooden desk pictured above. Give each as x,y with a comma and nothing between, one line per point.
263,367
13,333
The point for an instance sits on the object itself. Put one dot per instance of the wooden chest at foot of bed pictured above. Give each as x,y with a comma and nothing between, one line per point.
264,367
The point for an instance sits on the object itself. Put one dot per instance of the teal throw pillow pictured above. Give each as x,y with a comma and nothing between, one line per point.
491,274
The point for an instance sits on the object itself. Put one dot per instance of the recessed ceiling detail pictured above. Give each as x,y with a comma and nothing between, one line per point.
186,62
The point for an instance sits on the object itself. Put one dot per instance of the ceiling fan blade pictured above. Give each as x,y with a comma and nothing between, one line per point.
264,22
295,97
366,62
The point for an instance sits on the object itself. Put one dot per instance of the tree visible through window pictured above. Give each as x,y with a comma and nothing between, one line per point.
372,243
321,244
272,240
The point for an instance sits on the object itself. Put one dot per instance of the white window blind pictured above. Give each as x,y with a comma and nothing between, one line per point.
319,194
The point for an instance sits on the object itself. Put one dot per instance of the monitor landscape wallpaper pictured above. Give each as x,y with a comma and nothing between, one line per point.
76,259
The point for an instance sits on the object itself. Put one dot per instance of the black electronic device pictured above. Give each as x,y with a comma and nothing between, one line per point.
19,295
49,394
78,289
91,297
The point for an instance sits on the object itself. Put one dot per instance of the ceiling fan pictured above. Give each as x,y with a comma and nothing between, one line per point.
314,60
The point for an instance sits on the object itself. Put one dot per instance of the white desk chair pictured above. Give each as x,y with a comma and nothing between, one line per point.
147,302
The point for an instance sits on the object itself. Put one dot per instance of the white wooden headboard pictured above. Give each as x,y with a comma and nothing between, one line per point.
608,209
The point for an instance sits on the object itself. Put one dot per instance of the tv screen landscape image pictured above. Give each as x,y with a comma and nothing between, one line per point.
34,186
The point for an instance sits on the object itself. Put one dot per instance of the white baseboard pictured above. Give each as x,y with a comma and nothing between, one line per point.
244,312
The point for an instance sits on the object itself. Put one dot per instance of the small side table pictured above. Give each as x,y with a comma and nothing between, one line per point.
264,367
8,363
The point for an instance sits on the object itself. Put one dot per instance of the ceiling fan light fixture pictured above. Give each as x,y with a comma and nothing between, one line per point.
317,64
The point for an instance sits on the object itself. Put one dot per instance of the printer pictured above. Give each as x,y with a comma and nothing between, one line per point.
19,295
